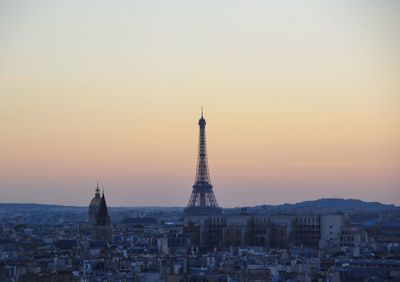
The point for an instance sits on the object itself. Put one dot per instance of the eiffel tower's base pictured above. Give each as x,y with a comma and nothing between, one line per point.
202,211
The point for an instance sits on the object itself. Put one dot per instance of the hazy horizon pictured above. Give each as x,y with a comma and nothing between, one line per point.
139,207
301,100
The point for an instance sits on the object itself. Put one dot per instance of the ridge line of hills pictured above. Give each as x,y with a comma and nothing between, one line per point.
337,204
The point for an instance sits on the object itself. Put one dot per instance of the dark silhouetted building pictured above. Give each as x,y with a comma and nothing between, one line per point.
202,200
99,218
94,205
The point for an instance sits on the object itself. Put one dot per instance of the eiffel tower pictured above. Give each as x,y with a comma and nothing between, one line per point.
202,200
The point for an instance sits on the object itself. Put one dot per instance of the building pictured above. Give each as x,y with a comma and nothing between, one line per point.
308,230
233,230
99,218
94,205
331,227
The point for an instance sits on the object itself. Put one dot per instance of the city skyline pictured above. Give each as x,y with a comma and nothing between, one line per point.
113,92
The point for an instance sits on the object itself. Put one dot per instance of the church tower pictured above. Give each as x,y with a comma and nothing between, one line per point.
99,218
94,206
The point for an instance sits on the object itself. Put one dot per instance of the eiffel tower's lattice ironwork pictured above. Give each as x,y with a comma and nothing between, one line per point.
202,199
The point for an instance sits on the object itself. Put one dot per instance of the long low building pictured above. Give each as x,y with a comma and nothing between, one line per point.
275,231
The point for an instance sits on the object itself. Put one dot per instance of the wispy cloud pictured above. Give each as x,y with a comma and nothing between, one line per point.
16,78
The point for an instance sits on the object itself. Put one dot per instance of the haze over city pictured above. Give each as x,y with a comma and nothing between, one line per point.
301,100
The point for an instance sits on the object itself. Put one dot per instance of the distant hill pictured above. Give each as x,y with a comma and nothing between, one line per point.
320,205
33,206
330,205
346,204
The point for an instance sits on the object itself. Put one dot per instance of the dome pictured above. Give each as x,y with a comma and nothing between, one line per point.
94,206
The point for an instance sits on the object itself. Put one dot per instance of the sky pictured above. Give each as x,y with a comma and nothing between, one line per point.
301,100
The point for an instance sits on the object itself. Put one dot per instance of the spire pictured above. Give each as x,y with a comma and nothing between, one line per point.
102,216
202,121
97,194
103,211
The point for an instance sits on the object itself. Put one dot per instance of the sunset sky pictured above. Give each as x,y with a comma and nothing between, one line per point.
301,98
